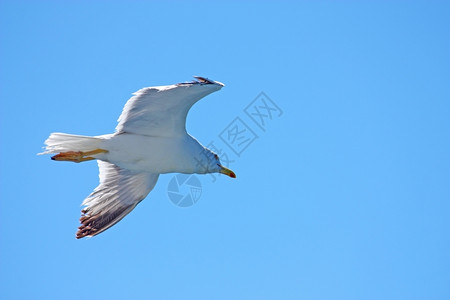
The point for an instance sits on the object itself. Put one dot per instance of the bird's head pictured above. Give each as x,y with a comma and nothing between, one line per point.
211,164
222,169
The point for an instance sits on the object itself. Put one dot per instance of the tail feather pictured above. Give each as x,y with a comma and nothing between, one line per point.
62,142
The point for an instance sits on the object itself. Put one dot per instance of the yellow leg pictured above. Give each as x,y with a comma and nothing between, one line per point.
77,156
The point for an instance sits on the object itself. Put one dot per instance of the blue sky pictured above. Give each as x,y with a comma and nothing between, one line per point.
345,195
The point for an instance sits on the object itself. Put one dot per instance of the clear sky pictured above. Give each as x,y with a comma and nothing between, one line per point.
343,193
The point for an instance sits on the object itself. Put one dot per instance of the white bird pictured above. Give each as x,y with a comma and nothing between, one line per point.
150,139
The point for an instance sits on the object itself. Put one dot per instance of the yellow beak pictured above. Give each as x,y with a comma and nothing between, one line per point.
227,172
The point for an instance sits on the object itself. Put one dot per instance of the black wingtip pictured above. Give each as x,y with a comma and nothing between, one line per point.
204,80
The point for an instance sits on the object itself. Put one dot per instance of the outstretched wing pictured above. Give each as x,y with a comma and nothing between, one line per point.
162,110
117,195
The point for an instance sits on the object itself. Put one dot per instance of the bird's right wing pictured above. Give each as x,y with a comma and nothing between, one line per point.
162,110
117,195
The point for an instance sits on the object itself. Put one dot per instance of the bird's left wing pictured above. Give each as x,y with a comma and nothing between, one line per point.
117,195
162,110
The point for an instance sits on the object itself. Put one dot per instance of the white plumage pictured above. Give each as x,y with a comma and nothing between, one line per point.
150,139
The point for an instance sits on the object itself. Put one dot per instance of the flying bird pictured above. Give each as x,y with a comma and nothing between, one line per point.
150,139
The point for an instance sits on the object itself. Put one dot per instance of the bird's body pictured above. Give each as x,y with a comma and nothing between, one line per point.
150,139
168,155
155,154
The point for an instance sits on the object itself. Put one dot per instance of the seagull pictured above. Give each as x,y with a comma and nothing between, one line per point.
150,139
